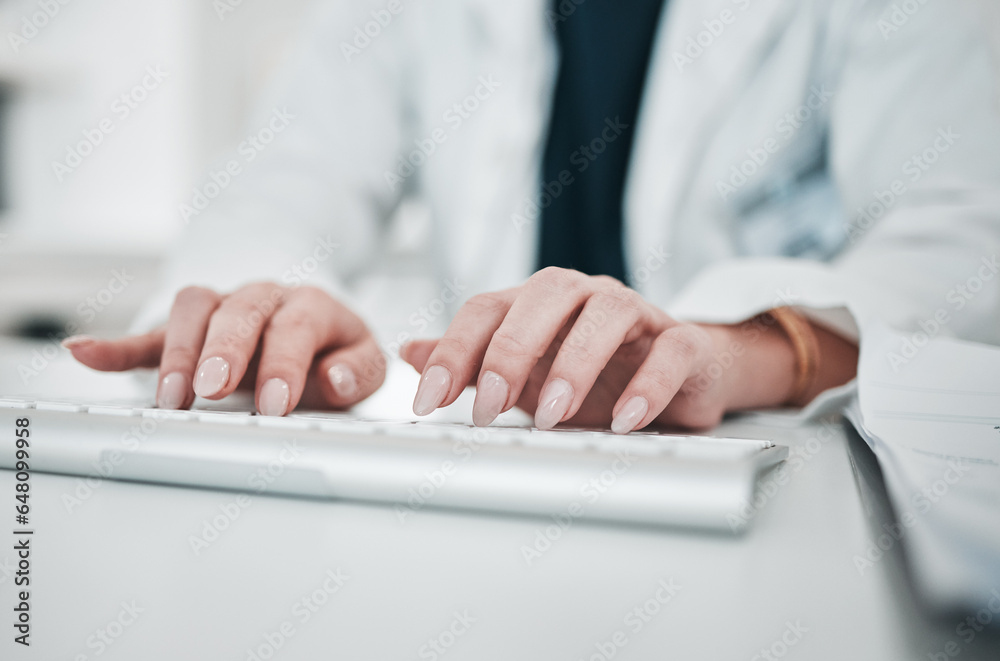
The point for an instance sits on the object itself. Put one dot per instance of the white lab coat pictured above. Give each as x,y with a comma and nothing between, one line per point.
822,103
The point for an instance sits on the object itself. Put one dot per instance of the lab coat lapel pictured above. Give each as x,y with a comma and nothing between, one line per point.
689,85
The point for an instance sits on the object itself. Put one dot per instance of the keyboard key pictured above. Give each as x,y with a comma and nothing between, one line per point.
65,407
123,411
225,417
348,427
275,422
166,414
16,404
557,440
637,446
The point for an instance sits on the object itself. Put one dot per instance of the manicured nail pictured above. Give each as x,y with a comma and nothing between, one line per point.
343,381
274,395
491,396
78,341
213,375
554,401
631,415
433,388
174,389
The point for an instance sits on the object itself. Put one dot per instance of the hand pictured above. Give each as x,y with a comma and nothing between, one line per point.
570,347
290,345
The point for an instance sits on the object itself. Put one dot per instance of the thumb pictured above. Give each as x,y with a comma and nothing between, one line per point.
416,352
347,375
117,355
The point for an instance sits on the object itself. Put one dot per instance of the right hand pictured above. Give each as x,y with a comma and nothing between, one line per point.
291,345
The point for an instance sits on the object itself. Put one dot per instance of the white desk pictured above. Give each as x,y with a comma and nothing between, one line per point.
130,543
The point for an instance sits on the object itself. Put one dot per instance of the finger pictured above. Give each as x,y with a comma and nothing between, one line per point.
185,336
456,358
233,333
350,374
308,321
117,355
673,357
548,301
611,317
417,352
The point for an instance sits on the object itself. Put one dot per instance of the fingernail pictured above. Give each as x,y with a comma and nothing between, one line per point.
433,388
75,341
344,383
173,391
274,395
631,415
212,376
491,396
554,401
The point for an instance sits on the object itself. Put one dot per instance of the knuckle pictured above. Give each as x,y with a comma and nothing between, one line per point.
195,295
179,355
607,281
557,280
508,342
451,348
292,320
658,379
312,295
491,303
683,342
579,355
620,299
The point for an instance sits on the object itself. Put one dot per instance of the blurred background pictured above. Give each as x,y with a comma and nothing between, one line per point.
84,211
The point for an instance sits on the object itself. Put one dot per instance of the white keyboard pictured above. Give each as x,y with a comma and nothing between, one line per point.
644,478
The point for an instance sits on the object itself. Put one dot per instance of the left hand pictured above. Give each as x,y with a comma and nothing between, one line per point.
569,347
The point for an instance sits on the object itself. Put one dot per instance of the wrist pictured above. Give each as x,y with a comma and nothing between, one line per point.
755,363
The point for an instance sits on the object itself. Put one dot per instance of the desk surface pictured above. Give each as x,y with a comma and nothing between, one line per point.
114,576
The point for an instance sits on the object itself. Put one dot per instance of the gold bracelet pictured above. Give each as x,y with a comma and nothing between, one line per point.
807,355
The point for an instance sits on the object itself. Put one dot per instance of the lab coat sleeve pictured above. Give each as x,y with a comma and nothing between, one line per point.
307,207
914,151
